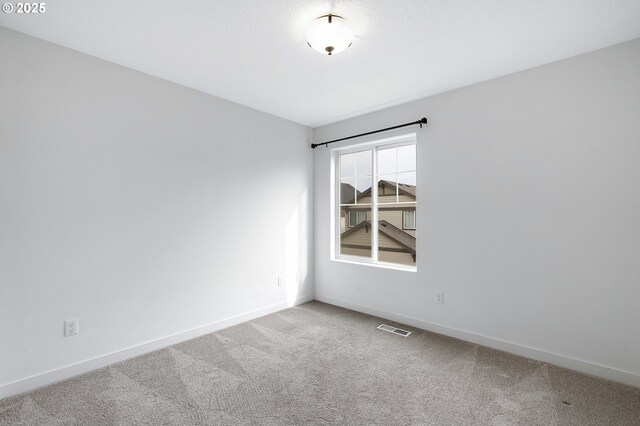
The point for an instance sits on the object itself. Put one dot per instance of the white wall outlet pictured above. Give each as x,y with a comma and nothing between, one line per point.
280,282
71,327
439,297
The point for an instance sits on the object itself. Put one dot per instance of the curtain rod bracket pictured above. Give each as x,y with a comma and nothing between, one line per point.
422,121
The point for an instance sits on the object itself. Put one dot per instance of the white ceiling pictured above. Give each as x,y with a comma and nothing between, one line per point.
253,52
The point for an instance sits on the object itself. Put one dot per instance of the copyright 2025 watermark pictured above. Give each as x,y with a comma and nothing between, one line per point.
24,8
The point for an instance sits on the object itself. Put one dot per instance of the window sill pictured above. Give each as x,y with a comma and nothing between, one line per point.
377,265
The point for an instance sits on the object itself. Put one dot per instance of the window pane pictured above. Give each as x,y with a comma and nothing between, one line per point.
387,161
363,186
387,189
407,158
347,191
407,187
347,168
363,163
355,231
396,214
408,178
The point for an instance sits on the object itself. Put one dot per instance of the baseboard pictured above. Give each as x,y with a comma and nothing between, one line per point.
68,371
564,361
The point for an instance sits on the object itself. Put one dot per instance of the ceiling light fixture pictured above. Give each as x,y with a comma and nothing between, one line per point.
329,34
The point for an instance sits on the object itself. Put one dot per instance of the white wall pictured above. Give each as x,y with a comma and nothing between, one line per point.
141,207
528,215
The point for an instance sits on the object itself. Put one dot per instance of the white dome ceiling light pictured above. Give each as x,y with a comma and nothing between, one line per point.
329,34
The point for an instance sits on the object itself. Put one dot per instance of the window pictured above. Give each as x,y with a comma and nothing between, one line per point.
376,202
356,218
408,219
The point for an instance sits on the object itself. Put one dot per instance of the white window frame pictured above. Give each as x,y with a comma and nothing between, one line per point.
374,146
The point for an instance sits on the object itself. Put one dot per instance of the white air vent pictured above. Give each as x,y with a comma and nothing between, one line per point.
394,330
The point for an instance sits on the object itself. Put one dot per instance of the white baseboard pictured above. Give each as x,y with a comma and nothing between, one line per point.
564,361
68,371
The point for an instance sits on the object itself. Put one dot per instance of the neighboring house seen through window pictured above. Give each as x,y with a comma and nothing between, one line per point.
356,218
408,219
376,202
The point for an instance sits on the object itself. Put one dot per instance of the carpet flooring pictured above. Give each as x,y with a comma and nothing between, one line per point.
318,364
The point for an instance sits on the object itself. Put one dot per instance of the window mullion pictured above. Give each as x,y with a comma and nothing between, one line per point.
374,204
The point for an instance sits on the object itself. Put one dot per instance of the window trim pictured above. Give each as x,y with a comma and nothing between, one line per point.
396,141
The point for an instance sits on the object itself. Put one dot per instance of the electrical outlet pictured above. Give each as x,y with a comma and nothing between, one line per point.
439,297
280,282
71,327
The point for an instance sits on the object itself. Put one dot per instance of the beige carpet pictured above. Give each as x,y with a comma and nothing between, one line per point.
319,364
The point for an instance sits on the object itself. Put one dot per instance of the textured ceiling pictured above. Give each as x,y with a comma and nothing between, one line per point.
254,52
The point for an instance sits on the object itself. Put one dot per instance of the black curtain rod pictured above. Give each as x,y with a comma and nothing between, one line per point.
422,121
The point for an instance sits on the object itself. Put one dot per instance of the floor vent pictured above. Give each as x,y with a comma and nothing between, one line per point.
394,330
